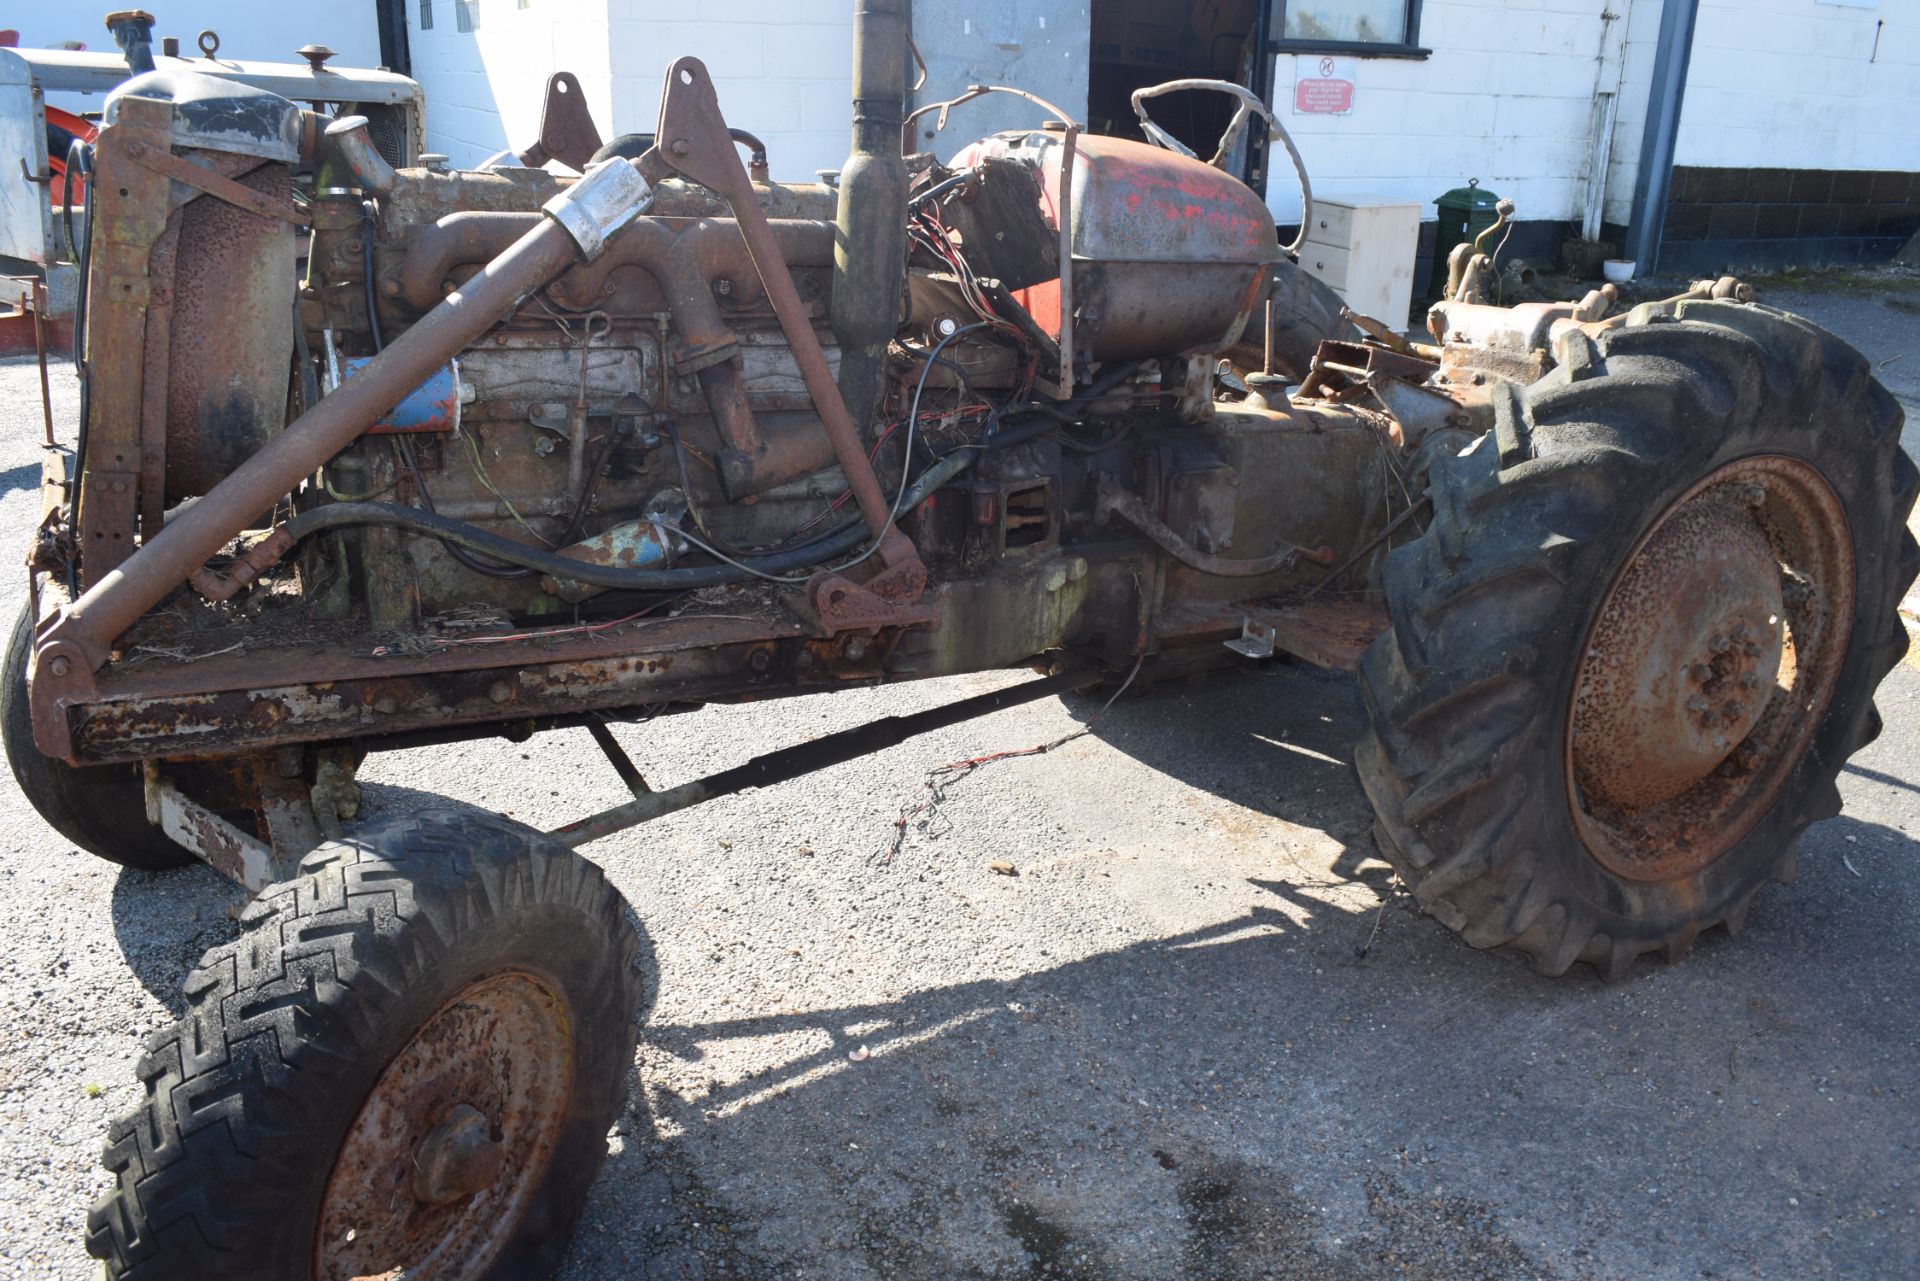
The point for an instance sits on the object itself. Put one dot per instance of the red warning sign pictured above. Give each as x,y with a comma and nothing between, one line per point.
1322,85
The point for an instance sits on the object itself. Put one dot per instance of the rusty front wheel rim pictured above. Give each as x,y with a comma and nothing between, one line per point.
452,1143
1685,724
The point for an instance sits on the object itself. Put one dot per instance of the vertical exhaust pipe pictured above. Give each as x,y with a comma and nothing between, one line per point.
870,240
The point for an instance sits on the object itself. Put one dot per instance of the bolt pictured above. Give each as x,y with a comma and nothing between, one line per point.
760,660
390,288
386,705
856,648
723,287
803,661
60,665
499,691
1696,704
679,147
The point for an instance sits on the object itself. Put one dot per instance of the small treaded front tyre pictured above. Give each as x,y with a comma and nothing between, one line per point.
102,808
406,1065
1641,635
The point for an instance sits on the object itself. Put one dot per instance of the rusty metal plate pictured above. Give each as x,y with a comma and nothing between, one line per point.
449,1150
1709,668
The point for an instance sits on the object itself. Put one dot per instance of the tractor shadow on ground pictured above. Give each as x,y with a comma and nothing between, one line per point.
25,476
1276,740
1254,1099
1249,1099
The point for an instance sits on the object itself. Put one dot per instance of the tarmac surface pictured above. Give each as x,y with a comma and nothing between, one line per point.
1158,1051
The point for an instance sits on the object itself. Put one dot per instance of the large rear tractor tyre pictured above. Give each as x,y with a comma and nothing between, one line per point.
1641,636
103,808
406,1065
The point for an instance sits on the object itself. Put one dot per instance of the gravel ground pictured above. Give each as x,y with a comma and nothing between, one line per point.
1155,1052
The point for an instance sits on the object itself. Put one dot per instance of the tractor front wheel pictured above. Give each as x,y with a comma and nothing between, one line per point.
406,1065
103,808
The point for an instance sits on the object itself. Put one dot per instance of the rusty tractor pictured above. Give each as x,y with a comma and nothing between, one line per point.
375,455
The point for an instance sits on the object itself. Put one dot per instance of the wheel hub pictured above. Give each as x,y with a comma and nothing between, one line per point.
1709,668
1683,658
456,1160
452,1142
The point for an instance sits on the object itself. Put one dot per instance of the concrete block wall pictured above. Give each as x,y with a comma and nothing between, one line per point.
1506,97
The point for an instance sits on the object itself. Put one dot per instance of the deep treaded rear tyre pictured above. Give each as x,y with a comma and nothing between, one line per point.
417,1045
1494,609
103,808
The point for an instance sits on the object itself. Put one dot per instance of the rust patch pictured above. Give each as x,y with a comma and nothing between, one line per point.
1709,668
448,1151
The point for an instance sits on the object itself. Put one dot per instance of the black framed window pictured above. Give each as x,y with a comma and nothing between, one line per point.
1367,28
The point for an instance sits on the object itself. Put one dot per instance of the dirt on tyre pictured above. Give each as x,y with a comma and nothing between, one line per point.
102,808
407,1064
1640,636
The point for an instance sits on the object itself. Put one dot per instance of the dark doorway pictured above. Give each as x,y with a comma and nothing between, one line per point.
1137,43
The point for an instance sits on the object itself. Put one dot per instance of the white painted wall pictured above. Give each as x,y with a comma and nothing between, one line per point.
485,87
782,70
1636,82
1506,98
247,28
1797,84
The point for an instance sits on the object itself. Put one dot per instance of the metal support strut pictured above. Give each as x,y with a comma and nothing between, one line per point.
802,758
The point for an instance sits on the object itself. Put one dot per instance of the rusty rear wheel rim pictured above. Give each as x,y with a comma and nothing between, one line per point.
451,1145
1709,667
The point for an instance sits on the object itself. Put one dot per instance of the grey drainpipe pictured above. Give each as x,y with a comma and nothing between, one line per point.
1663,126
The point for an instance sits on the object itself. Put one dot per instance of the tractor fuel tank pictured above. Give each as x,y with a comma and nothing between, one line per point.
1170,255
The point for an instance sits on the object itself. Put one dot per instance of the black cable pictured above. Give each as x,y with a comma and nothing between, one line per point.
491,569
940,187
1048,417
538,560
